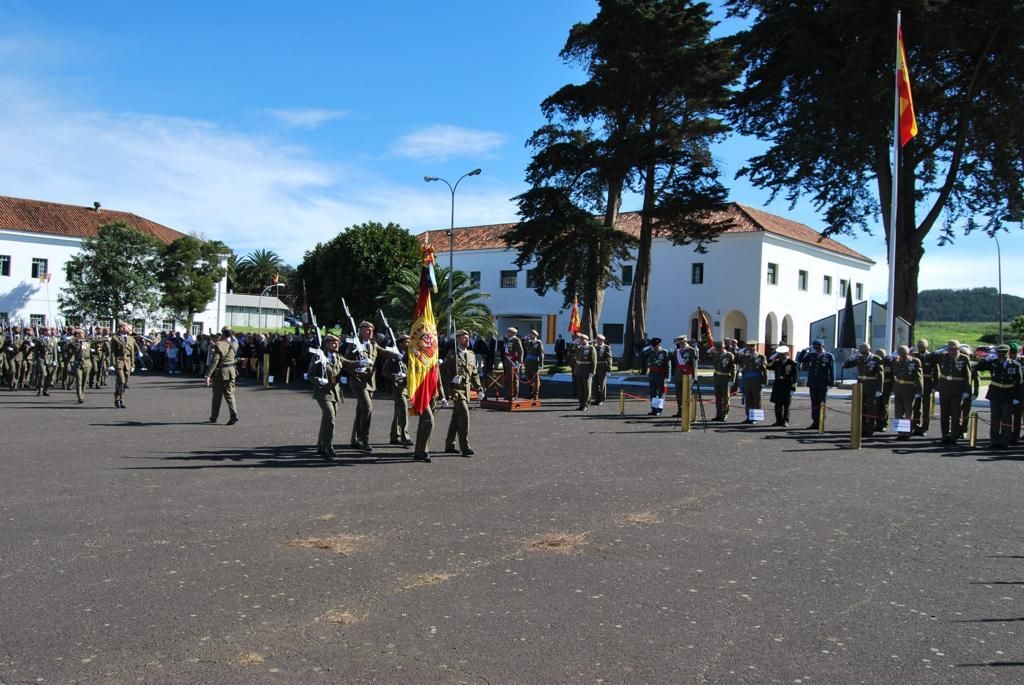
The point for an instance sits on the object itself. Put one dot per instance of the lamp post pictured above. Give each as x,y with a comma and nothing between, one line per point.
259,315
999,272
451,245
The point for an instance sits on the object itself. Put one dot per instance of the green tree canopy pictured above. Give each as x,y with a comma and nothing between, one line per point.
819,87
113,276
256,270
189,270
358,264
469,308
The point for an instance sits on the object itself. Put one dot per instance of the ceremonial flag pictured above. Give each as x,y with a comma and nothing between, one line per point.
276,279
422,379
705,326
574,317
908,123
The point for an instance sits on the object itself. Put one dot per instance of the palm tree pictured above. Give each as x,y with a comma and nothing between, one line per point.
469,309
257,269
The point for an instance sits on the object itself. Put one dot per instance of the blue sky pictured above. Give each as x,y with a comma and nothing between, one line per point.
274,125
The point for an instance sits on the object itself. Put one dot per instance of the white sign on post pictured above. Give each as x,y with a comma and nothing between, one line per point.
901,426
755,414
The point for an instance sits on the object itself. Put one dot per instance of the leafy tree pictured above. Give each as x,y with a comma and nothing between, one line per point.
819,87
469,308
358,264
256,270
656,81
189,270
973,304
113,276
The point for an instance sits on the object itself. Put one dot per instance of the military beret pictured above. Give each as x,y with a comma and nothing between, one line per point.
1014,347
1002,348
462,331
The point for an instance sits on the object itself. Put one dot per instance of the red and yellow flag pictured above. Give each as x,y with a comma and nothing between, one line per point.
574,317
705,326
422,379
908,123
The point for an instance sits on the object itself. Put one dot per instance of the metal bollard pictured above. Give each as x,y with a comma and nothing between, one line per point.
266,369
856,417
972,429
821,418
684,416
622,402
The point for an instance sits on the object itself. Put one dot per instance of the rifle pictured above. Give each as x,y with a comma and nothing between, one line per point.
318,351
360,347
387,327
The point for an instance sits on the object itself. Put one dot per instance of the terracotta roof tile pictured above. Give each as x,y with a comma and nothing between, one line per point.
73,221
746,220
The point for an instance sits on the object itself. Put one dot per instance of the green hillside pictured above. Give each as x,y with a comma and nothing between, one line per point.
973,304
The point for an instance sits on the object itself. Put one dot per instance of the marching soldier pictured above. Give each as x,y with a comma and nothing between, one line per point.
908,385
583,371
122,356
460,376
360,363
656,359
81,363
924,407
870,377
223,374
395,368
1003,394
684,365
725,376
534,350
755,375
13,351
953,369
821,375
603,368
785,370
325,374
513,360
48,355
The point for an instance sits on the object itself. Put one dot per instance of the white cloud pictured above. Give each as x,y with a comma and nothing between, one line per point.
443,141
249,191
307,118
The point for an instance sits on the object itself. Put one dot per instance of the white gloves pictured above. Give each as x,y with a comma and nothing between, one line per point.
1016,402
878,393
322,381
966,395
917,396
456,380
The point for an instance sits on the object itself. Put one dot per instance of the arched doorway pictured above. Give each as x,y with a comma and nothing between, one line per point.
734,325
771,328
787,330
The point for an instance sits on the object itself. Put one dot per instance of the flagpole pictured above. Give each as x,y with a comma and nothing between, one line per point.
890,310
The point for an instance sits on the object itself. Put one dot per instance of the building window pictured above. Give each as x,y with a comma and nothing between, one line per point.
533,279
168,325
509,279
773,274
613,332
104,323
37,320
842,287
474,279
197,328
697,273
38,267
860,291
5,265
828,285
801,280
627,274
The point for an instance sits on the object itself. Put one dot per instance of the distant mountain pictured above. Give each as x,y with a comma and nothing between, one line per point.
973,304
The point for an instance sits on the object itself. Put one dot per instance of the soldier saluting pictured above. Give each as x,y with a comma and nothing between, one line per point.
821,375
513,359
954,371
1003,394
908,384
604,367
656,359
870,376
724,375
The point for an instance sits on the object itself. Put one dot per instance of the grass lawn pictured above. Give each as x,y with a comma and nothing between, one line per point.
967,332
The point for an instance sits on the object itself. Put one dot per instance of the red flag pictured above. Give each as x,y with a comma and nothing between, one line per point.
908,123
422,379
574,317
705,326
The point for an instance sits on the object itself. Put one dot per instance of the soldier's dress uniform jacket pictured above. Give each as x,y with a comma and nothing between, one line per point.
223,375
724,377
534,362
605,360
460,376
953,372
755,375
583,373
1007,379
821,376
785,370
870,376
908,385
360,363
513,360
327,395
81,366
122,353
923,407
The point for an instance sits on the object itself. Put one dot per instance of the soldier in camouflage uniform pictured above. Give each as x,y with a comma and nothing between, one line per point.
13,351
121,351
908,384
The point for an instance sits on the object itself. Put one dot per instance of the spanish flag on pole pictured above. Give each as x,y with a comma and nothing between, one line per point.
422,379
908,123
574,317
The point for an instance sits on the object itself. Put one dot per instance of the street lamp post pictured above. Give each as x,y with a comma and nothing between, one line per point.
999,272
259,315
451,246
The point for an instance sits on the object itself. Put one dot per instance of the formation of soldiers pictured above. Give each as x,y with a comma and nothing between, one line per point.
43,358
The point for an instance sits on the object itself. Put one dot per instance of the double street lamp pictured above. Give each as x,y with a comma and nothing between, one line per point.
451,245
259,316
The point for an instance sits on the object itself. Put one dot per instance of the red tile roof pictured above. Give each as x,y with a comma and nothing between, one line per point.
73,221
745,220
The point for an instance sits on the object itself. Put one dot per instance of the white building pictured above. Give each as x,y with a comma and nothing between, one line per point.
767,279
37,239
254,311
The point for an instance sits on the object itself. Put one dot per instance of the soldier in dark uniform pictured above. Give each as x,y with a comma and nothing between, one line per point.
821,375
870,377
604,367
1003,394
460,375
395,368
725,376
656,360
222,375
360,363
965,412
755,375
324,373
908,384
924,407
684,369
122,354
583,371
882,411
954,386
560,350
785,370
512,361
534,362
1018,408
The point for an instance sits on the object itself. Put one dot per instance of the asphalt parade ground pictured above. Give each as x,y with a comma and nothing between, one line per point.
144,545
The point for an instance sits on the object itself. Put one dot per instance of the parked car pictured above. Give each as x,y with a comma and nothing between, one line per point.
293,320
982,351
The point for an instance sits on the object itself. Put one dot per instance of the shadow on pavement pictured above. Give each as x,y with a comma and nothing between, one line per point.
278,456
